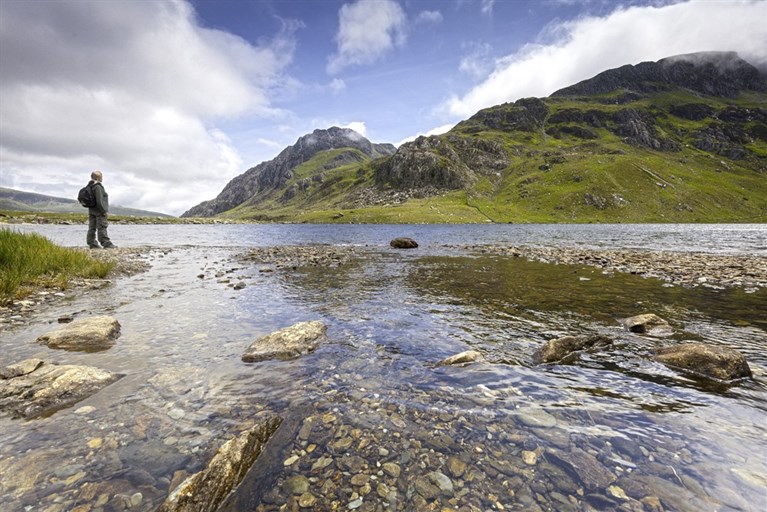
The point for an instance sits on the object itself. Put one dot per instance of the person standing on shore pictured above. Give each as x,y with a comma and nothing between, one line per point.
97,215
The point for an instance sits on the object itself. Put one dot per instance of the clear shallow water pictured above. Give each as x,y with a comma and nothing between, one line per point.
391,316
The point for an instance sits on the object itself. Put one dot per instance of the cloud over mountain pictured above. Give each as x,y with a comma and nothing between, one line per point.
573,50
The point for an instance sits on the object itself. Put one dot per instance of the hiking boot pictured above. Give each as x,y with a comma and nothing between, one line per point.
95,247
110,247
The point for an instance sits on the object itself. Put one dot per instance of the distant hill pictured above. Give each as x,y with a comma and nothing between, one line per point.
294,170
683,139
16,200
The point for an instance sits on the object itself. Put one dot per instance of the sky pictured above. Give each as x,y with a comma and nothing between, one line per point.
171,99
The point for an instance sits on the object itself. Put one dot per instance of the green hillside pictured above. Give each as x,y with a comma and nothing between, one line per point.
686,143
563,172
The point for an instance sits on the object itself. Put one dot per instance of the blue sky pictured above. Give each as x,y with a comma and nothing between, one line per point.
173,98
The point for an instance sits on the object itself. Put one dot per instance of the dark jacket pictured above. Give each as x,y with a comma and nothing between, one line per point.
102,199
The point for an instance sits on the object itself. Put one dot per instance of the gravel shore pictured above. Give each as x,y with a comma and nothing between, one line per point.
679,268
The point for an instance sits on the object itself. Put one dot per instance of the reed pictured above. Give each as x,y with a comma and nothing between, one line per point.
29,261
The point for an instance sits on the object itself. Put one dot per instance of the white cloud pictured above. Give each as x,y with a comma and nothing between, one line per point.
477,62
337,86
587,46
131,88
439,130
357,126
432,17
486,7
368,29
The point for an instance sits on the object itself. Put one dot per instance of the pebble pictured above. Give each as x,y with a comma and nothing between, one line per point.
176,414
536,417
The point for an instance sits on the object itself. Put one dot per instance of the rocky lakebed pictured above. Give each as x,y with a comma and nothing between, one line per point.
339,377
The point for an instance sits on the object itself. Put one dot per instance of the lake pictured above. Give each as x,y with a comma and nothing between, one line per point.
371,422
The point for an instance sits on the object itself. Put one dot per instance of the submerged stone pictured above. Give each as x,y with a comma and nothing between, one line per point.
710,361
558,349
289,343
206,490
468,356
32,388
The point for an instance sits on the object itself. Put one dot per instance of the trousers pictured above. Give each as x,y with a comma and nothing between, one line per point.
97,226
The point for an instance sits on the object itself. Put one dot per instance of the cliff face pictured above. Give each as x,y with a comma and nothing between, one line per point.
274,174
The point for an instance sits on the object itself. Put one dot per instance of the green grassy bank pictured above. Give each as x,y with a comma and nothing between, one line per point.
29,261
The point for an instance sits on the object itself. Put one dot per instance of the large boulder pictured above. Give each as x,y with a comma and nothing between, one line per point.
206,490
289,343
566,348
33,387
709,361
649,324
88,334
403,243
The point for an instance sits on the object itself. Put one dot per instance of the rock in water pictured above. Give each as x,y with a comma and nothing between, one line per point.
558,349
206,490
32,387
289,343
706,360
403,243
650,324
468,356
88,334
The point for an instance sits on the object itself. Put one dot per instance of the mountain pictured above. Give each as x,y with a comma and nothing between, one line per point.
683,139
16,200
294,169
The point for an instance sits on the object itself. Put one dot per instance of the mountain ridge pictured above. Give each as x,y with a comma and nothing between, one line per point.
17,200
683,139
273,174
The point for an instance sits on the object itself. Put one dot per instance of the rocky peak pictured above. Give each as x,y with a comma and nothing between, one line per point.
722,74
274,174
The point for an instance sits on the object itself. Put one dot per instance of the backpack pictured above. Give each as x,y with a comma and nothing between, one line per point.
86,196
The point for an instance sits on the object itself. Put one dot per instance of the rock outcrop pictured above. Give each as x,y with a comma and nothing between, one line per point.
88,334
206,490
440,163
33,387
289,343
705,360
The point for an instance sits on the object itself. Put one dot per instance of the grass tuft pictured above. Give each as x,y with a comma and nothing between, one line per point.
28,261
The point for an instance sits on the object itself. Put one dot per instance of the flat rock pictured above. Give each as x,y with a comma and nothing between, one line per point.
649,324
206,490
289,343
87,334
706,360
468,356
536,417
33,387
558,350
